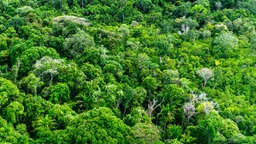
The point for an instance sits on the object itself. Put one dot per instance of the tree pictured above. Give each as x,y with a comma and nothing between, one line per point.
144,133
8,134
59,93
214,129
152,106
124,29
46,122
2,6
91,71
98,125
224,45
29,57
139,96
144,5
137,115
51,70
73,76
112,96
150,84
63,115
8,92
253,43
34,107
248,5
218,4
206,74
3,43
198,104
31,83
16,22
174,131
164,44
170,77
13,111
47,68
189,110
77,43
113,67
82,3
183,9
23,11
16,51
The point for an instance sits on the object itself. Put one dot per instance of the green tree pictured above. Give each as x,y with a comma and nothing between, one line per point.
144,133
4,40
31,83
8,134
13,111
46,122
137,115
59,93
76,44
16,22
144,5
63,115
29,57
225,45
98,126
91,71
8,92
150,84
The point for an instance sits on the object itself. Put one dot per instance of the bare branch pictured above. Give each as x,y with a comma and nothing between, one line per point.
153,105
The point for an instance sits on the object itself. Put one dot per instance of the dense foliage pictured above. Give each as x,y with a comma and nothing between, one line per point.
128,71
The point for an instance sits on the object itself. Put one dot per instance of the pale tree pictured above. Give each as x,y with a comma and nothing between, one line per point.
206,74
31,55
190,107
23,11
143,60
186,24
218,5
184,29
189,111
47,68
153,104
113,95
103,53
199,103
